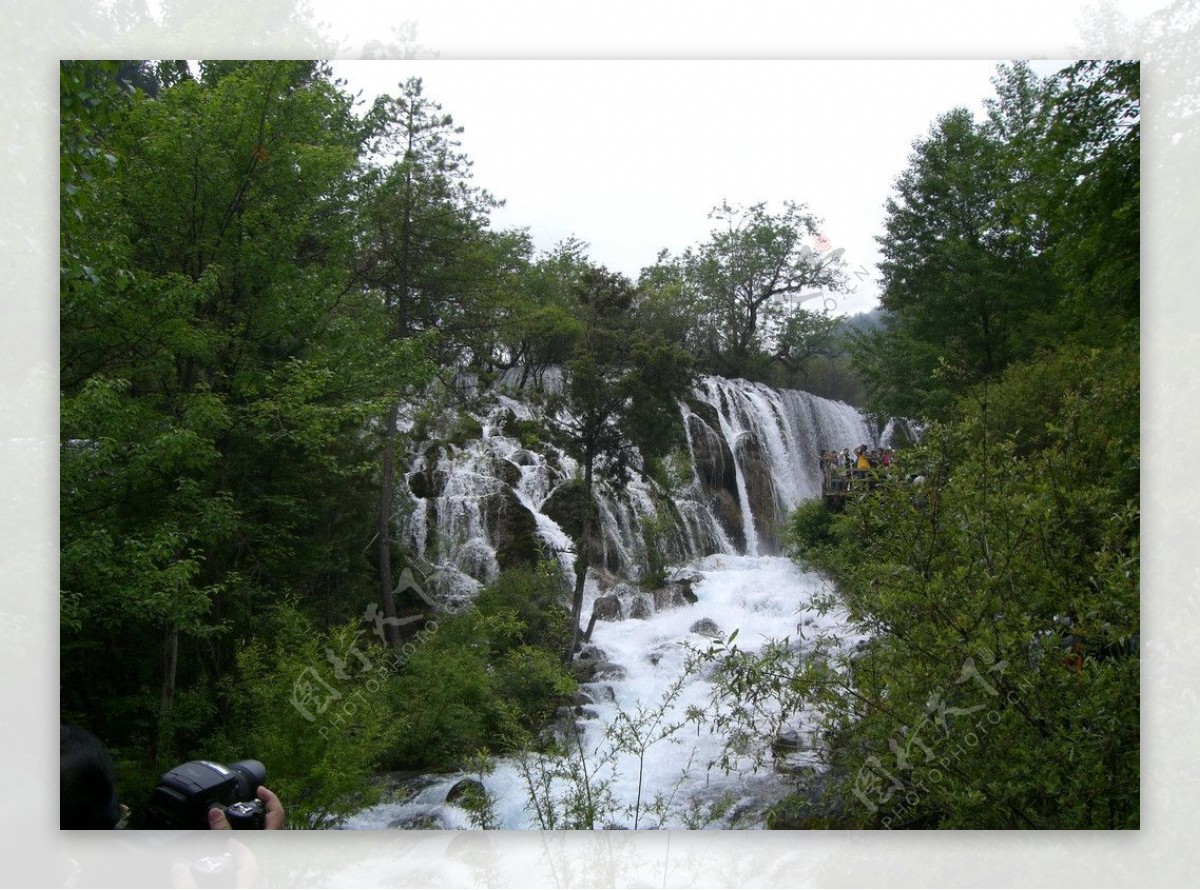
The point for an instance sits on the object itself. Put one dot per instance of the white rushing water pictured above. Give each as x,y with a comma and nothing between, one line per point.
753,459
759,597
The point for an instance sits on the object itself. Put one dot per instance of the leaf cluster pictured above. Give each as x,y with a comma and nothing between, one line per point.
1000,597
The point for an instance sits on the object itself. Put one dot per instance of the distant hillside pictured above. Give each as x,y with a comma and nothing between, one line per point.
862,321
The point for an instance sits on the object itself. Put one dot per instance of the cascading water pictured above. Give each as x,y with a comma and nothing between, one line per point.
774,438
753,456
642,682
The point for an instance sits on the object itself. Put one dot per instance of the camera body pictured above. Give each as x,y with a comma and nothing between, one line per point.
184,795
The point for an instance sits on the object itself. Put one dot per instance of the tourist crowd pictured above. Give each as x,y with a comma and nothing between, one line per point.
842,468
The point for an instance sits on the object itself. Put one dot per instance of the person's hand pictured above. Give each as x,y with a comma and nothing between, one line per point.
274,812
238,863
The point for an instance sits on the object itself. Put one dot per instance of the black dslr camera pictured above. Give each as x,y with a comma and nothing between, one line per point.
184,795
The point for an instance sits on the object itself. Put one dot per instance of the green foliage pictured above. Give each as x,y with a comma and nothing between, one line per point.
488,675
999,687
570,785
744,287
534,596
655,532
321,767
535,323
809,527
466,429
1009,235
217,373
476,799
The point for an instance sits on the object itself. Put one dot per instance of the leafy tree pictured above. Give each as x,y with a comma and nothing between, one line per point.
1094,142
215,373
91,102
538,325
1009,235
423,223
620,380
747,282
957,272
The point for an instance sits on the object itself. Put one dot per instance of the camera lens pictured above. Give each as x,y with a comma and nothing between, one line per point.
251,774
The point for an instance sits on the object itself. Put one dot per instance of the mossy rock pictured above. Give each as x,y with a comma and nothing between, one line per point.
466,429
514,531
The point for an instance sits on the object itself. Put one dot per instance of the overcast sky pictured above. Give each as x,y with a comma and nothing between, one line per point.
630,156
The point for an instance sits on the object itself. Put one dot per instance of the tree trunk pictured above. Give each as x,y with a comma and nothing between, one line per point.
387,489
583,557
166,700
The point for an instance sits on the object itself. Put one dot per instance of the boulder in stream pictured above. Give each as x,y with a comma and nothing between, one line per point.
607,608
467,788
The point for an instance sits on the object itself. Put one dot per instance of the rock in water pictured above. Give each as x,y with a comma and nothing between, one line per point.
467,787
607,608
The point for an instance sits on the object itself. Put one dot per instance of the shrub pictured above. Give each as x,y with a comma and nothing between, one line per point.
319,767
488,675
810,526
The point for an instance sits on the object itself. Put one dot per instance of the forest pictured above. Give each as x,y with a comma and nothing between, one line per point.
273,300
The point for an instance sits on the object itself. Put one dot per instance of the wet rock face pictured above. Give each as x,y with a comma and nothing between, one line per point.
430,821
760,491
674,595
513,530
607,608
715,468
593,653
713,459
589,667
728,511
464,788
592,664
706,627
787,742
641,608
609,671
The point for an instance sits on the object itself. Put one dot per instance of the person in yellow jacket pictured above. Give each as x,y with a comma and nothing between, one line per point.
864,462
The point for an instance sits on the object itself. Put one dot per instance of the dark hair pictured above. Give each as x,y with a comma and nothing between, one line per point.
88,782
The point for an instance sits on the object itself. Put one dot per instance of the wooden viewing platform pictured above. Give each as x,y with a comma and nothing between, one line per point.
839,483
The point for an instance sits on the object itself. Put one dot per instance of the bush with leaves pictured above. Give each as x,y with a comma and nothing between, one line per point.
809,526
319,759
999,684
488,675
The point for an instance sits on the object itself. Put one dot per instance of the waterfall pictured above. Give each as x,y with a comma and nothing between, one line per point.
773,439
748,456
753,457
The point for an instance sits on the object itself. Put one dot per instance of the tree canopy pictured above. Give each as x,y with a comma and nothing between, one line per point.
1009,235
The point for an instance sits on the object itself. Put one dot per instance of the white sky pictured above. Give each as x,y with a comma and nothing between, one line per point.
631,155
